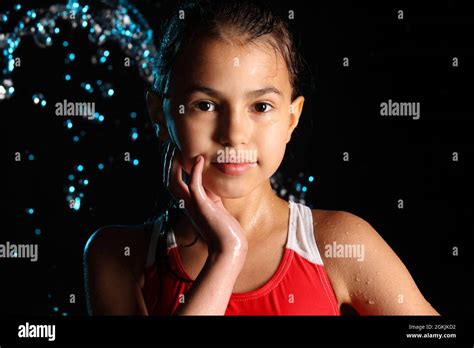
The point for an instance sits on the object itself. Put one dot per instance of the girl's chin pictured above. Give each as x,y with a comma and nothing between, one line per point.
230,189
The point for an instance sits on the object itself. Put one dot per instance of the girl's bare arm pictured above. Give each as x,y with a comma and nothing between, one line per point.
374,281
211,291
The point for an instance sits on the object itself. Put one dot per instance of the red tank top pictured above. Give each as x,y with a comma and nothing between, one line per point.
300,286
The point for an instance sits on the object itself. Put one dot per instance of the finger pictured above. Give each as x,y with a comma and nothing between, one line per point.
179,180
178,187
195,184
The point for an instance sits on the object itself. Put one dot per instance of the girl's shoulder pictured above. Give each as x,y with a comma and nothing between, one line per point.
365,272
343,239
342,227
119,246
339,224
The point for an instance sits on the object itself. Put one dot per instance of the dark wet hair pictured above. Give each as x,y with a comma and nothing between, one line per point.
245,21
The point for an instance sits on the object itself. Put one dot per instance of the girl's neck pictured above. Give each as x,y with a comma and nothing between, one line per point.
257,213
257,210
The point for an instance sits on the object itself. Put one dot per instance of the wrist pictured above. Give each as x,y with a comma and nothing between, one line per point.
234,256
236,249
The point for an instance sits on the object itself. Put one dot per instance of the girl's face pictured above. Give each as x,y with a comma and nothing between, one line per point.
228,99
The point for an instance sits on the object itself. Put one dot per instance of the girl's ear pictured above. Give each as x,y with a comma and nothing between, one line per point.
154,105
295,110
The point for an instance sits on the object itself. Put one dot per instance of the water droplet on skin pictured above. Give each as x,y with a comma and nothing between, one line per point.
357,279
371,301
368,282
347,232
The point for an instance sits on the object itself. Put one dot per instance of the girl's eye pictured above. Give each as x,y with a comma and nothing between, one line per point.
206,106
263,107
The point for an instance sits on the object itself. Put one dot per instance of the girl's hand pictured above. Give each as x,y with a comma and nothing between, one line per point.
219,229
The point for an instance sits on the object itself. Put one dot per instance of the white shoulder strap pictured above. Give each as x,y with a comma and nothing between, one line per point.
301,233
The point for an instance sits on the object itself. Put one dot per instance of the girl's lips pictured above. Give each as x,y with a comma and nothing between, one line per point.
234,168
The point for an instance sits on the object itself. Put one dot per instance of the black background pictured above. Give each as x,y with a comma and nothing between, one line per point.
407,60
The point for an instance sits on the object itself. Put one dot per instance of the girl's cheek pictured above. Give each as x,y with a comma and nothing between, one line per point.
271,147
271,158
194,140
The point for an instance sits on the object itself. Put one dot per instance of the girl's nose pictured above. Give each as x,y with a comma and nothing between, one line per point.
235,128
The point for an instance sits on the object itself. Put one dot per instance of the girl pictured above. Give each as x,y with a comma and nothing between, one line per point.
225,102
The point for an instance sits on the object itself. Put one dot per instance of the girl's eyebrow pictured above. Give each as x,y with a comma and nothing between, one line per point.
263,91
249,94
